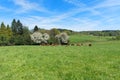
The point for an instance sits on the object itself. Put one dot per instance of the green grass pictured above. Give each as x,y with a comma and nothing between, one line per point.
101,61
88,38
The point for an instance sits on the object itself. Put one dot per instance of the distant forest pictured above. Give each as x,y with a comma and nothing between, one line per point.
18,34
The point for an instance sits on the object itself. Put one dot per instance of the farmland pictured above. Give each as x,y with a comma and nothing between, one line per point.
101,61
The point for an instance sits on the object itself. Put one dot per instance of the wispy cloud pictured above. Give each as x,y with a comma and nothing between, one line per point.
108,3
70,19
4,8
105,5
26,5
76,3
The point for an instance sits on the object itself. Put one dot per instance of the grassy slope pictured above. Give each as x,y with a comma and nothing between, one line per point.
87,38
99,62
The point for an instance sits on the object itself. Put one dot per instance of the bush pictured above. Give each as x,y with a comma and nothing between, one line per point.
117,37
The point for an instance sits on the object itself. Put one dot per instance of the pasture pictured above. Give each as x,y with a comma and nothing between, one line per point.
101,61
88,38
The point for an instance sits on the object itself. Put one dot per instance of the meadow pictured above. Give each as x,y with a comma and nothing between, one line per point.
101,61
88,38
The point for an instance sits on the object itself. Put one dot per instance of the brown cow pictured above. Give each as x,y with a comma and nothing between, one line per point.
78,44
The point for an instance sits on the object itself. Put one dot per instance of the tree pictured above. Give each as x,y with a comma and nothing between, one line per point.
3,27
14,27
46,37
2,34
5,34
36,37
53,33
26,36
62,38
9,31
35,28
19,28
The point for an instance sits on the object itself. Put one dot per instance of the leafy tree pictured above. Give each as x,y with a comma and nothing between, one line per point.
5,34
53,33
3,27
26,36
9,31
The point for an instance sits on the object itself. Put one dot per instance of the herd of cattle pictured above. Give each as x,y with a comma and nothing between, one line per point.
72,44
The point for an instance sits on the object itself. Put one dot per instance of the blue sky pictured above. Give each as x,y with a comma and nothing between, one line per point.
77,15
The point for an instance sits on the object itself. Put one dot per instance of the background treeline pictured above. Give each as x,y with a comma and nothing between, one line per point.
18,34
102,33
115,34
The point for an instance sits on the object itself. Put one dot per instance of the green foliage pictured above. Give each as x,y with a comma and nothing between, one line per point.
5,34
18,34
26,36
53,33
19,40
23,39
117,37
98,62
19,28
21,34
69,32
14,27
102,33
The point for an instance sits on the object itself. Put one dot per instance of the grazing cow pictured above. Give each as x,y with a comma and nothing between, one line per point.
81,44
50,43
78,44
89,44
72,44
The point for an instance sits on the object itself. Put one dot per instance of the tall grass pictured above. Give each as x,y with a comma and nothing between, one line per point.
101,61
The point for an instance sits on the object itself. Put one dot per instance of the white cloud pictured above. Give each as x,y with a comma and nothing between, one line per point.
26,5
66,20
75,24
108,3
76,3
108,15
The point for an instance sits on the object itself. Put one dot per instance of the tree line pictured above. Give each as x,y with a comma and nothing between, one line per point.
102,33
113,33
18,34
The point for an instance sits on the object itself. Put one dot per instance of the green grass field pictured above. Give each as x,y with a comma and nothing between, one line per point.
101,61
88,38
